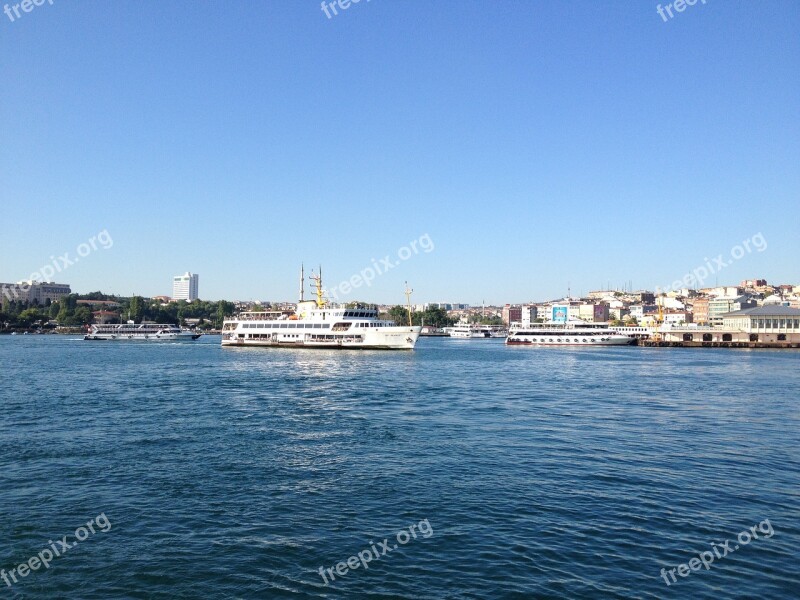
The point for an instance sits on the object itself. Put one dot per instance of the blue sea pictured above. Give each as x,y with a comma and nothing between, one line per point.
463,469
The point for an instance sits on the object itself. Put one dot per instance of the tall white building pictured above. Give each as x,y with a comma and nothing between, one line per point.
184,287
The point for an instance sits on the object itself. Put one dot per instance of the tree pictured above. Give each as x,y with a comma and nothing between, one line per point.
433,316
29,316
399,314
136,308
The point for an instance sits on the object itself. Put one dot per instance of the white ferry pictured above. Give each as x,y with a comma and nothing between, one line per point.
140,332
318,324
574,332
466,331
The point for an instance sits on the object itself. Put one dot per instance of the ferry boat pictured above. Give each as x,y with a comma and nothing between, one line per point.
141,332
318,324
466,331
574,332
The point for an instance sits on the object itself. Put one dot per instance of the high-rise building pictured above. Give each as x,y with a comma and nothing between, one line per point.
184,287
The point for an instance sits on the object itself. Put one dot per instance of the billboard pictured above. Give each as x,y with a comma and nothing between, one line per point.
600,313
560,313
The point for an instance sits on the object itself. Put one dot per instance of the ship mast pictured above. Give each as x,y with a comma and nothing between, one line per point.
408,303
317,279
302,281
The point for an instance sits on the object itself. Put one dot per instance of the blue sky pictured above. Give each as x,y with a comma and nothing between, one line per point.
539,145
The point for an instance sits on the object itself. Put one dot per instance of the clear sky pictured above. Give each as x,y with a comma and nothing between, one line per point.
539,145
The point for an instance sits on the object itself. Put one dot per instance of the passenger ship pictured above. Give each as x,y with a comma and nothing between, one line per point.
318,324
142,332
574,332
466,331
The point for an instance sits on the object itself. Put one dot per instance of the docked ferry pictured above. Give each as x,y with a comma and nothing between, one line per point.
141,332
318,324
574,332
467,331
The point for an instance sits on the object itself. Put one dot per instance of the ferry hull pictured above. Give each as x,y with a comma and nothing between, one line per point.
389,338
611,341
167,337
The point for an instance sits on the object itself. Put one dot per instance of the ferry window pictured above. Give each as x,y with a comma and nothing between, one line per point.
797,323
783,324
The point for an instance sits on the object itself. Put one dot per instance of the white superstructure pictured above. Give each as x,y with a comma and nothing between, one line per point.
573,332
318,324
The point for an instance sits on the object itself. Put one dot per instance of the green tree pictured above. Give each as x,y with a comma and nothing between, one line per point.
29,316
399,314
136,308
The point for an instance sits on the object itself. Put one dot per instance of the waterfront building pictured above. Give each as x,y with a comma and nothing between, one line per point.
770,323
618,313
102,304
700,311
185,287
101,317
777,326
677,317
593,313
638,311
33,292
726,304
528,314
512,313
